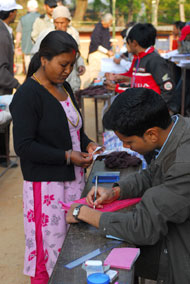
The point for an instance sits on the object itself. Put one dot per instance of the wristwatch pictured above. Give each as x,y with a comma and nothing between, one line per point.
76,211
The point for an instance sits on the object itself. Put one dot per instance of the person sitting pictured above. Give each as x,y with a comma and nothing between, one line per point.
100,45
53,149
148,69
159,224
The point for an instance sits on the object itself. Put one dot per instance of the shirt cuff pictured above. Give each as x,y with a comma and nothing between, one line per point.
102,49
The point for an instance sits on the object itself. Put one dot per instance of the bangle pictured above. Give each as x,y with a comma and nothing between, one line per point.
69,157
116,192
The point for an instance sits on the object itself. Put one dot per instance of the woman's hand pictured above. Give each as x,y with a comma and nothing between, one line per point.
81,159
92,146
104,195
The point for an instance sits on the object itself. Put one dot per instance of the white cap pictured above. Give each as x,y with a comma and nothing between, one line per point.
8,5
61,12
32,4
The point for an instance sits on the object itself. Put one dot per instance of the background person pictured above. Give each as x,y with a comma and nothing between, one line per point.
24,29
148,69
177,27
159,224
62,21
8,12
100,45
53,150
44,21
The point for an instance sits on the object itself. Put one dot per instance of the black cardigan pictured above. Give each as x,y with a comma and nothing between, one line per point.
41,133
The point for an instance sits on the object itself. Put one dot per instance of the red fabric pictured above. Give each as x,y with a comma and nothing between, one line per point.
41,276
174,44
139,79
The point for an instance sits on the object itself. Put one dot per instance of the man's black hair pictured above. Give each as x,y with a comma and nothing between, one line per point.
5,14
179,24
136,110
144,34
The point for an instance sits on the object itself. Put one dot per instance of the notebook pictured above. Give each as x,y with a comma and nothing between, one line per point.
110,207
122,258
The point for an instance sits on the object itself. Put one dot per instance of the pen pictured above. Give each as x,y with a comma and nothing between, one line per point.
95,192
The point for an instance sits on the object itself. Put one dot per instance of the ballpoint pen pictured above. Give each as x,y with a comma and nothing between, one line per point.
95,192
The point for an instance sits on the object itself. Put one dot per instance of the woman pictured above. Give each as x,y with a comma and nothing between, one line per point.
49,138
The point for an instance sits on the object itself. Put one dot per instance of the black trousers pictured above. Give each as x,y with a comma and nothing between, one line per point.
3,145
147,264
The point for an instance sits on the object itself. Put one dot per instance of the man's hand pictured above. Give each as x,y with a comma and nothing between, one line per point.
111,76
110,53
109,85
86,214
69,217
104,195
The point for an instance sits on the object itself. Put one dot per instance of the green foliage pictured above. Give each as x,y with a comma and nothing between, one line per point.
99,6
126,7
168,11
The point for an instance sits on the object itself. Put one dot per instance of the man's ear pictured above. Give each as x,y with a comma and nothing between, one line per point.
152,134
135,43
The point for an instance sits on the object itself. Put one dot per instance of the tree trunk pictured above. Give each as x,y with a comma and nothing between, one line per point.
182,10
81,6
155,4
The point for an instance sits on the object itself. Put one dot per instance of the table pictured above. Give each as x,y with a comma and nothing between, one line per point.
82,239
106,98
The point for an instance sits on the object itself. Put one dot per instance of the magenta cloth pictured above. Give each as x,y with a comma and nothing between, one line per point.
41,276
110,207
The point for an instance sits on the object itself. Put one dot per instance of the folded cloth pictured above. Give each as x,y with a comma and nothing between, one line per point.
121,160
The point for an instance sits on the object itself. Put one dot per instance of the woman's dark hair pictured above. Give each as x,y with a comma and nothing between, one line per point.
136,110
53,44
57,42
144,34
34,65
5,14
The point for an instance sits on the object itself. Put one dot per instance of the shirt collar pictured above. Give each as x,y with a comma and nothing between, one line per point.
10,30
175,120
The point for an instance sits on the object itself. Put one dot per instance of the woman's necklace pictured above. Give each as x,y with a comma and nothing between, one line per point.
74,125
34,76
